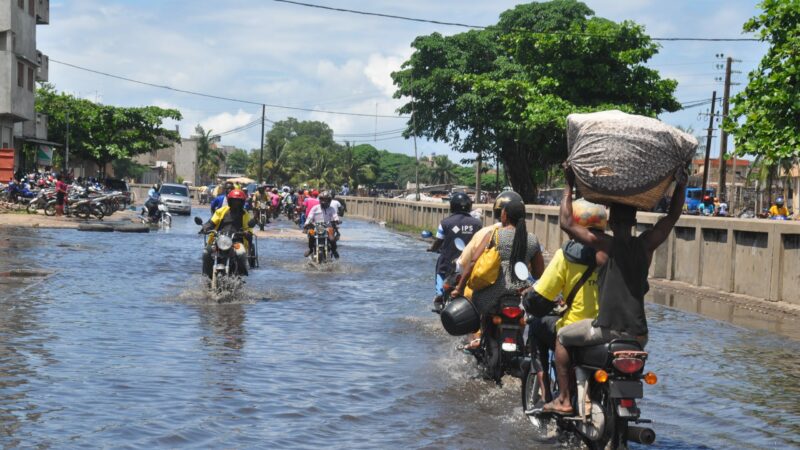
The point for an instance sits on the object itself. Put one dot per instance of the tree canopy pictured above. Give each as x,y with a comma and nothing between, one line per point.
103,133
769,107
507,90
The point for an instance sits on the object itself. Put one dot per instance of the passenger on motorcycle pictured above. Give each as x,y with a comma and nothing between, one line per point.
341,208
153,198
221,200
562,276
322,212
458,225
622,281
514,244
228,219
778,209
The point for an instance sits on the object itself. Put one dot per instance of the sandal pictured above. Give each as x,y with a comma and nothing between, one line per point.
553,409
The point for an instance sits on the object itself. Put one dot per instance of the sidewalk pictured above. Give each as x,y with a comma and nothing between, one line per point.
25,220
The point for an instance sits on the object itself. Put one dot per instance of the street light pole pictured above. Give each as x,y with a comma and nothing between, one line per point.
66,155
261,153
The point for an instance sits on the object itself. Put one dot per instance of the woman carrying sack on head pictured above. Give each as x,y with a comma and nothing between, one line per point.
514,244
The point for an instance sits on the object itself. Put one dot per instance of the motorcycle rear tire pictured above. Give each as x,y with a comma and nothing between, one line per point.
32,208
50,209
97,211
533,397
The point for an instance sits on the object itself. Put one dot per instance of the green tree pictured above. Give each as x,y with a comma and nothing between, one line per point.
507,90
104,133
209,157
237,161
443,170
769,107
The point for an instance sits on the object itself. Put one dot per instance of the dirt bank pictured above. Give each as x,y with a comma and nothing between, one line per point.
24,220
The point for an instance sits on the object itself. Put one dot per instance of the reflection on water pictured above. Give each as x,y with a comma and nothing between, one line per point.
125,346
742,315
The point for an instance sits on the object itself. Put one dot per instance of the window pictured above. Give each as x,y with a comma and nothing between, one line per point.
20,74
30,79
21,3
30,7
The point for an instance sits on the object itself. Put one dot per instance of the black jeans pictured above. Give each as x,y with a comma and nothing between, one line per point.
541,340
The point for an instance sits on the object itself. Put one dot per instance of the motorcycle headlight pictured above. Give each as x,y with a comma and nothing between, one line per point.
224,243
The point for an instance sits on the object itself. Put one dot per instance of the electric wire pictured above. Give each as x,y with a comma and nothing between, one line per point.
482,27
220,97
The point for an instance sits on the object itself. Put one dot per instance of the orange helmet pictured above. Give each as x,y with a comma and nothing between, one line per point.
237,194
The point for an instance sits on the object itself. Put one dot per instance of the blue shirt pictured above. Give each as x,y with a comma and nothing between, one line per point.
218,202
153,194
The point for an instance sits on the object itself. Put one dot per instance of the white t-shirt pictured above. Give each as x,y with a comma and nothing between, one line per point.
318,215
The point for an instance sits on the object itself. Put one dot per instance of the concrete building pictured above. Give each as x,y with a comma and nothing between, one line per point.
173,163
21,65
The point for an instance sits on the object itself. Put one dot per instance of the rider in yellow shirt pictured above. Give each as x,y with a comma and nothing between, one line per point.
779,209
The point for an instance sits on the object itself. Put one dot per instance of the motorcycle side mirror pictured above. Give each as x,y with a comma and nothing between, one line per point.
460,245
198,220
252,223
521,271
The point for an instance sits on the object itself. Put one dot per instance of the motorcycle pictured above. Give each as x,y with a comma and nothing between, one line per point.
323,233
225,252
502,350
41,200
290,210
262,214
75,206
450,282
162,217
609,380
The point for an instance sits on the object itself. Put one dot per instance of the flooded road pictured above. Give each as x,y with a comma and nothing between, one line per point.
121,347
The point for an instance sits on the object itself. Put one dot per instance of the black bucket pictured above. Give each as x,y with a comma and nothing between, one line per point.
460,317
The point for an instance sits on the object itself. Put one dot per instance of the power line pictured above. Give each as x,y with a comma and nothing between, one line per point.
482,27
220,97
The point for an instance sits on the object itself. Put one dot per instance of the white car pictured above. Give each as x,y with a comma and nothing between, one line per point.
176,198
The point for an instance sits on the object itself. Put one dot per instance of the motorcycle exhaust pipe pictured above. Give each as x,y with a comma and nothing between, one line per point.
641,435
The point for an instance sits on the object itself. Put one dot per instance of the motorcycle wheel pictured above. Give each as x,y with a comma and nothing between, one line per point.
97,211
166,221
615,430
533,397
32,208
50,209
492,363
214,280
83,212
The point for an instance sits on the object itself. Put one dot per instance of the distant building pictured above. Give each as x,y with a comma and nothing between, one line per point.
170,164
21,65
742,166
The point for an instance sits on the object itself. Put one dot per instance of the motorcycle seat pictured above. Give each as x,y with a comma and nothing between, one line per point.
599,356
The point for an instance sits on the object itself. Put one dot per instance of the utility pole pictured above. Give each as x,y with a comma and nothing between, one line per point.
414,134
66,154
708,142
478,164
261,154
723,144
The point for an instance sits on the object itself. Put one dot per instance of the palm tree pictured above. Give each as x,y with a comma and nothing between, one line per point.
209,157
443,171
352,171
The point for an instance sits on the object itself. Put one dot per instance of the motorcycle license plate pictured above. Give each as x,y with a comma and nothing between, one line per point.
509,347
625,389
219,267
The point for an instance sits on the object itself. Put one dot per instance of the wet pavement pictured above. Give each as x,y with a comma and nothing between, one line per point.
121,347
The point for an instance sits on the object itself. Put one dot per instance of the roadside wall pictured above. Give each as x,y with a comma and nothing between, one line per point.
759,258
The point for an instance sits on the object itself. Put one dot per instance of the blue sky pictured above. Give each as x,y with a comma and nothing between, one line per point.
289,55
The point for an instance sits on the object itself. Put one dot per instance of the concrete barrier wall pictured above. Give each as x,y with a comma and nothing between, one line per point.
760,258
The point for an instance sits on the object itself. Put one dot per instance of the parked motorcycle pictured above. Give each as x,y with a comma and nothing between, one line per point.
41,200
609,380
225,252
75,206
162,217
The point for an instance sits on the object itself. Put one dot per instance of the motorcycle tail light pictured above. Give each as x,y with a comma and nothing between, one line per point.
311,232
510,340
497,320
650,378
512,312
601,376
627,403
628,365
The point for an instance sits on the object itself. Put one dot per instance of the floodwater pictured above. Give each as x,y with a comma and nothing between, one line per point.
120,347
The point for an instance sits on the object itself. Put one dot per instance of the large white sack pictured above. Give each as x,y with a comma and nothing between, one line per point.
619,157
